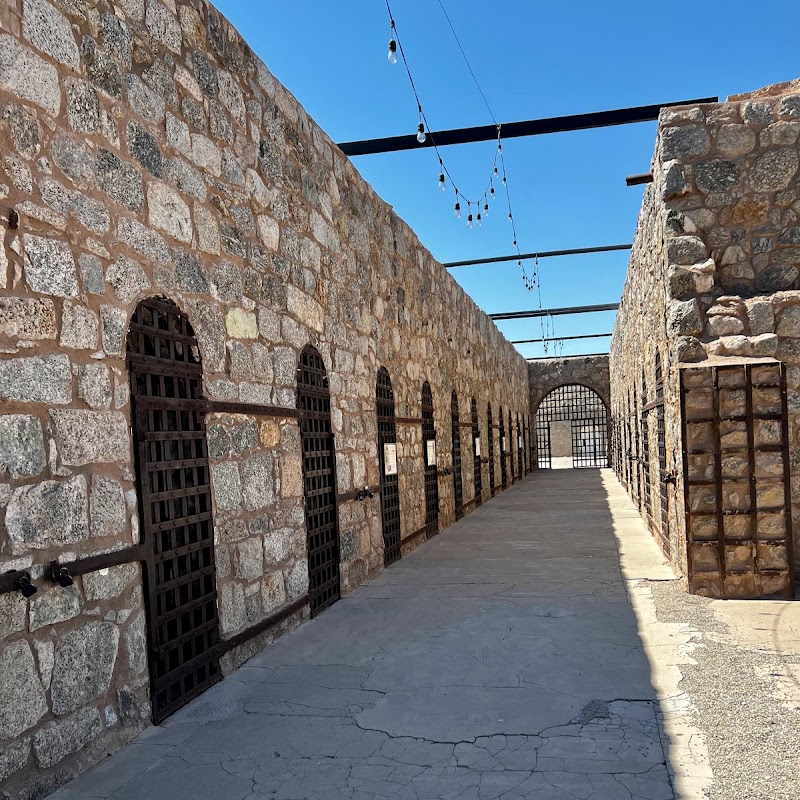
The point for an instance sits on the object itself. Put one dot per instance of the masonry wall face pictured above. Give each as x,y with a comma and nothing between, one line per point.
147,152
714,275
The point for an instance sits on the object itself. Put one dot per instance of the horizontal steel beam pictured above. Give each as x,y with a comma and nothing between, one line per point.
545,254
554,312
563,338
579,355
639,180
512,130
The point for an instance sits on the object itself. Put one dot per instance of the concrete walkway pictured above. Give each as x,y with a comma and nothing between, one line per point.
501,659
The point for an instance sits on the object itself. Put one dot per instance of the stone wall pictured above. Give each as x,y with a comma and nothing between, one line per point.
713,276
147,152
550,373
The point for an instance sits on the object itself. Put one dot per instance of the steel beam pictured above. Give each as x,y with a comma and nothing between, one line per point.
639,180
563,338
512,130
544,254
554,312
553,358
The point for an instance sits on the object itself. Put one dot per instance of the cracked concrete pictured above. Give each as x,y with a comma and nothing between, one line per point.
523,653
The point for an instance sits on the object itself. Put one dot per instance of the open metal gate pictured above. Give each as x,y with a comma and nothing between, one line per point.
319,480
431,469
458,493
503,452
490,454
387,456
175,513
664,478
737,490
477,474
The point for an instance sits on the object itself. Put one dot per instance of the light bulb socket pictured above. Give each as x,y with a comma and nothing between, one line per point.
392,46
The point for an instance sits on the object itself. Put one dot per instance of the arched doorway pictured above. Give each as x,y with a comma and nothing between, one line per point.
520,450
572,428
175,513
431,469
319,480
477,474
458,492
503,452
387,459
511,446
490,453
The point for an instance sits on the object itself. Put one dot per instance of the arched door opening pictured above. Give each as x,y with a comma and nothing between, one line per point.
431,469
503,452
476,455
319,480
175,513
458,492
387,461
490,453
572,429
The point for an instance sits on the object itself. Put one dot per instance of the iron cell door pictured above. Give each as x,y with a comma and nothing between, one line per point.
490,453
175,513
737,489
503,443
663,477
319,480
477,473
431,470
645,426
458,493
520,450
511,445
387,458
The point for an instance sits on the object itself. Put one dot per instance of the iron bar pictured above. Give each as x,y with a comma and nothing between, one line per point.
82,566
562,338
512,130
225,407
226,645
554,312
576,251
15,581
639,180
580,355
359,494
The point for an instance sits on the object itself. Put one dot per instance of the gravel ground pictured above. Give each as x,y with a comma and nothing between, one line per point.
753,738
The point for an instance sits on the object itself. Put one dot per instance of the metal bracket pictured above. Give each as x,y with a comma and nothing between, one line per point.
18,581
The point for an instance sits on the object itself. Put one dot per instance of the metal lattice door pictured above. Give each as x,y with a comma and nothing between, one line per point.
387,445
458,494
737,487
319,480
431,469
503,443
174,489
477,473
646,489
511,446
490,454
520,451
663,478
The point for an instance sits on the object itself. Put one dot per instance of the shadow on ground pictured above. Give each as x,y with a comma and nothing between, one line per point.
502,659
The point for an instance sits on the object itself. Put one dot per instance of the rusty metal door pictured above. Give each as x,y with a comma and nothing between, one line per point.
458,493
645,426
490,454
431,469
175,512
387,458
520,450
319,480
736,480
503,452
664,478
477,474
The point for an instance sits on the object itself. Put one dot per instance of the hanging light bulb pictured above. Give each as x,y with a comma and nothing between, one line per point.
510,217
504,181
478,219
469,220
442,186
421,133
392,51
457,210
485,209
491,194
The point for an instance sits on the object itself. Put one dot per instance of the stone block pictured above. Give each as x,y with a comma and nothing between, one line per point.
49,267
136,644
685,143
686,250
56,740
26,76
127,278
119,181
91,437
27,318
207,230
209,327
168,212
22,698
297,580
226,281
776,277
13,611
48,514
108,583
106,507
249,559
83,106
735,141
717,176
232,615
94,385
684,318
50,31
206,155
90,213
79,327
26,133
55,605
143,146
241,324
143,239
114,324
21,445
163,26
84,663
227,485
14,757
92,274
273,591
774,170
258,484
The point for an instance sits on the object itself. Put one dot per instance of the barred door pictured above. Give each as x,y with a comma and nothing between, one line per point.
458,493
490,437
503,444
387,457
175,513
431,469
520,451
319,480
662,461
511,446
648,499
476,455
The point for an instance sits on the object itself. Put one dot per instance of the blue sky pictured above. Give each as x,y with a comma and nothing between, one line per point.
533,60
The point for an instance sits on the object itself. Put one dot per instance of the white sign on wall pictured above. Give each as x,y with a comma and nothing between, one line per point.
430,452
519,442
504,444
477,447
390,459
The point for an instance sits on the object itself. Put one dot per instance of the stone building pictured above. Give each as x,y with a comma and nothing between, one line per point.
233,384
705,358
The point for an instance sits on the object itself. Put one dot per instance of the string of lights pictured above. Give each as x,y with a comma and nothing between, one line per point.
498,171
